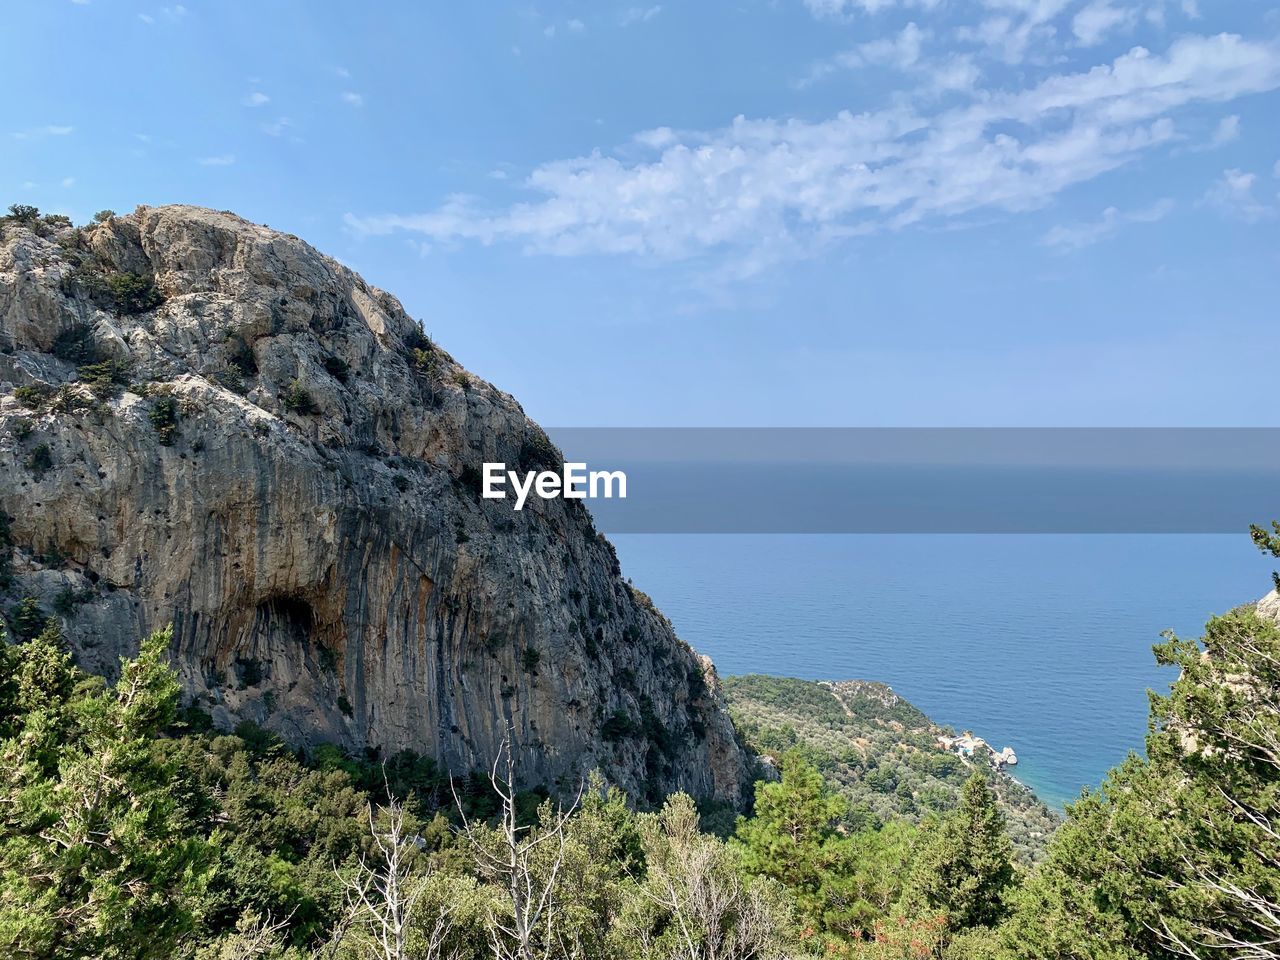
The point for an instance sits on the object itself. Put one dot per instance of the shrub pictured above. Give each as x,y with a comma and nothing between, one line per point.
23,213
40,460
33,396
164,417
22,428
132,293
67,600
619,727
297,399
228,377
69,399
529,659
537,452
26,618
106,378
417,340
102,216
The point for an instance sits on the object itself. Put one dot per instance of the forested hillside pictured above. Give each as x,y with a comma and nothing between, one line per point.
128,829
879,749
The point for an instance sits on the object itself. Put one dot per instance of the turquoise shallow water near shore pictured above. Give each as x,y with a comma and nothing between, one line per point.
1039,642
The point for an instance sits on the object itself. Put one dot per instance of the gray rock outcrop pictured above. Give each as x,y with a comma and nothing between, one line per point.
208,423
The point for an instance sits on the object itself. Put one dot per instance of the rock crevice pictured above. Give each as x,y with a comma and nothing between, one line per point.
209,423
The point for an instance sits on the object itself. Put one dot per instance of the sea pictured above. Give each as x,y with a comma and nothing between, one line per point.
1041,642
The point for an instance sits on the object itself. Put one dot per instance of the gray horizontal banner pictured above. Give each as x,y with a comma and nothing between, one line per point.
923,480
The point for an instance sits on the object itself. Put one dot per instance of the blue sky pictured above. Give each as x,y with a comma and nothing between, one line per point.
812,212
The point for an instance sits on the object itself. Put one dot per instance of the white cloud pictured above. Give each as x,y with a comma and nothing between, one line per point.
901,52
353,99
576,26
638,15
221,160
1233,196
176,12
35,133
1092,24
1228,129
256,99
68,181
770,188
1079,235
278,127
1014,26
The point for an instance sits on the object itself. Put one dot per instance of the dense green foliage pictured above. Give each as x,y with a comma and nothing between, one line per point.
879,749
1177,851
130,828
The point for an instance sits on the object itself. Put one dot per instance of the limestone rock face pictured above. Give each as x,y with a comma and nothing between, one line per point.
208,423
1269,606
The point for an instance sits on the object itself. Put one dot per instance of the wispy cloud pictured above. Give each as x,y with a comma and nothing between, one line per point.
1076,236
636,15
353,99
221,160
173,13
1013,26
1092,24
278,127
256,99
900,52
779,187
35,133
68,182
1233,195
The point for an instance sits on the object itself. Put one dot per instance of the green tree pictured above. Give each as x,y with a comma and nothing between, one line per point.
1178,854
963,865
1268,542
95,857
798,837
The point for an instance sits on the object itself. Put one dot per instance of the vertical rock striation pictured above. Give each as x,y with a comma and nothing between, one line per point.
209,423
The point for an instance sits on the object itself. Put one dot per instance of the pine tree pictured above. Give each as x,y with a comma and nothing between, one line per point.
1178,854
95,860
798,838
963,866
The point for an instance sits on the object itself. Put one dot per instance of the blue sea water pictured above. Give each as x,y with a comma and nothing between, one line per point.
1041,642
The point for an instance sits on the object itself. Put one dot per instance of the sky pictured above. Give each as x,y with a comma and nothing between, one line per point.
753,213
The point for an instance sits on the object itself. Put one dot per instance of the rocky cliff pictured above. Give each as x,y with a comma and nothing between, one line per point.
208,423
